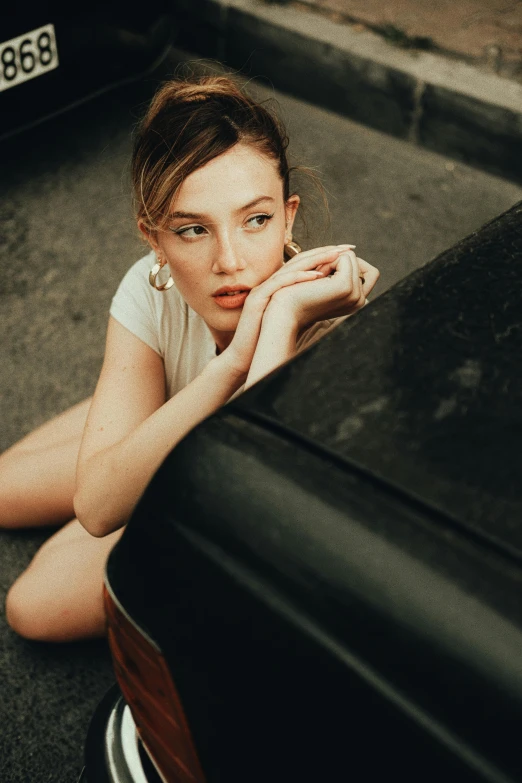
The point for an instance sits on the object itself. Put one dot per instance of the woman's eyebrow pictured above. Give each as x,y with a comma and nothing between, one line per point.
195,216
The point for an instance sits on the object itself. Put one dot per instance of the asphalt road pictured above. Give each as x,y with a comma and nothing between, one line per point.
67,238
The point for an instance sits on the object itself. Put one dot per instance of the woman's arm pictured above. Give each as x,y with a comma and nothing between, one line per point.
130,428
293,309
276,345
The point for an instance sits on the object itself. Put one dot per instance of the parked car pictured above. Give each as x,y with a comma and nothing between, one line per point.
323,581
52,58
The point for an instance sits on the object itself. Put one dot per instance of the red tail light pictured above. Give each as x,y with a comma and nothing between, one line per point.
148,688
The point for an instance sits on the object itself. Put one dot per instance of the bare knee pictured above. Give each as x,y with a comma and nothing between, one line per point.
33,618
58,598
23,614
32,611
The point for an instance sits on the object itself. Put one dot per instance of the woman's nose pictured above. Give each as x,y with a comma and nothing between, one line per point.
228,258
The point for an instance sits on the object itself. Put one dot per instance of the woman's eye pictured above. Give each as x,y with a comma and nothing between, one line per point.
184,231
259,220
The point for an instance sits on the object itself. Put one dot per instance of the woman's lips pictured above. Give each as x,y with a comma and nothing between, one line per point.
231,301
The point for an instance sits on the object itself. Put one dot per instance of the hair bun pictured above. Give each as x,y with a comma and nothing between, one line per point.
195,97
186,91
205,88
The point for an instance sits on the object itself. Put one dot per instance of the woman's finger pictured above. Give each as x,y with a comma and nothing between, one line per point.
325,268
318,250
243,344
364,276
357,278
346,283
265,290
308,259
370,274
343,273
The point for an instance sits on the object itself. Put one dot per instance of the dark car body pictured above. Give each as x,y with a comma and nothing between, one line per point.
93,49
323,581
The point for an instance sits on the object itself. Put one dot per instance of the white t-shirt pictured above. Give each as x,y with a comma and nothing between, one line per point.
165,322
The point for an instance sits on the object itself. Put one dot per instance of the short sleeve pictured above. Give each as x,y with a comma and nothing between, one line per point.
133,304
317,331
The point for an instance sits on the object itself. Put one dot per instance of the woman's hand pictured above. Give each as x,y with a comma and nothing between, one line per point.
243,346
345,284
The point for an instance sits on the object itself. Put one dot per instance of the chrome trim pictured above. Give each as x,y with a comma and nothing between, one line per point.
130,741
121,746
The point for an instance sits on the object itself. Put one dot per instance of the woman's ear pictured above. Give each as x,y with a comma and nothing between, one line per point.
291,207
150,236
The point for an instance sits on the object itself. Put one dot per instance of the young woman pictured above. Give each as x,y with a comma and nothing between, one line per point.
211,182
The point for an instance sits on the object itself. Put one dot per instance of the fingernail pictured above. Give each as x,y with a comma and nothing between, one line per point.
346,247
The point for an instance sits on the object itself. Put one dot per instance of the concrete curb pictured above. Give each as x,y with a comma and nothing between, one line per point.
444,105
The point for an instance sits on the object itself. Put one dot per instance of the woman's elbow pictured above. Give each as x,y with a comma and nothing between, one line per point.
93,522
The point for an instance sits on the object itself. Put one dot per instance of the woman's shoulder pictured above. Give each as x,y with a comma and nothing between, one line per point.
144,311
138,273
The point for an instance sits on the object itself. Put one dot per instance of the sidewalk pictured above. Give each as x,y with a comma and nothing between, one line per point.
444,74
484,33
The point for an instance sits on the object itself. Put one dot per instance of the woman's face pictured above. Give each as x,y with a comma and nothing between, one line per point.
228,226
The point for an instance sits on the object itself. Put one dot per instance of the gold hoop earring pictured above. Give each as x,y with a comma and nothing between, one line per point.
290,250
154,273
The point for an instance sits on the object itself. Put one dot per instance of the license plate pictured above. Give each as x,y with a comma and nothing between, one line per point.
27,56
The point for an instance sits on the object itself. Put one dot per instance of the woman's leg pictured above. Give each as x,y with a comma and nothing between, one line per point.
58,598
38,474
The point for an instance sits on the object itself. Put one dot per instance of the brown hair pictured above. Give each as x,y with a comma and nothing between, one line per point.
190,122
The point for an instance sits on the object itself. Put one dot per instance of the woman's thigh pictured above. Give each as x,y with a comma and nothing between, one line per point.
59,596
38,474
62,427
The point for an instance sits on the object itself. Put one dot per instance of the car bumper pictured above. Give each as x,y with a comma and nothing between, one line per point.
113,750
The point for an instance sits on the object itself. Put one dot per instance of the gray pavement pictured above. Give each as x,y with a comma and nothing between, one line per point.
483,32
70,237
